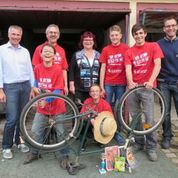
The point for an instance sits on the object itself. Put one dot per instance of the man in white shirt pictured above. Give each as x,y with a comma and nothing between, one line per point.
16,80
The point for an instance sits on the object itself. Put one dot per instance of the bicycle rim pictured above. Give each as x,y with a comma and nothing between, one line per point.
134,112
58,119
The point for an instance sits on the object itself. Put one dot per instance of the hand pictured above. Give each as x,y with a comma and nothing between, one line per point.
132,85
148,85
66,91
42,103
103,93
2,96
34,92
72,89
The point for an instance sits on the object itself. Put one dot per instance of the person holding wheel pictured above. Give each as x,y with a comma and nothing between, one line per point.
143,63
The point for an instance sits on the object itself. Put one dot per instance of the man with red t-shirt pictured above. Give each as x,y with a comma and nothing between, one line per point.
112,73
52,35
143,63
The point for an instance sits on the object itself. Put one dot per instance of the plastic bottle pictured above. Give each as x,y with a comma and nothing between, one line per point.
102,168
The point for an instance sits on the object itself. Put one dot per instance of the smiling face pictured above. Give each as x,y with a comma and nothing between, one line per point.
52,34
88,43
95,93
115,37
47,54
139,37
170,28
14,35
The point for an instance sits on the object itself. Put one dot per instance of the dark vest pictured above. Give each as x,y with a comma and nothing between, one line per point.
89,75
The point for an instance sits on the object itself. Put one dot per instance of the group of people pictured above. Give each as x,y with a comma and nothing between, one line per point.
102,78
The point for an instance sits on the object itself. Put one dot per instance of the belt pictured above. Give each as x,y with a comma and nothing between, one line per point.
18,82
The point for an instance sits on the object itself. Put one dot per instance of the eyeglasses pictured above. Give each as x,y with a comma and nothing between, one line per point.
51,32
169,26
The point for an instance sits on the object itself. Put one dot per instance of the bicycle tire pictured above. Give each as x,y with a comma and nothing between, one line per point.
27,116
119,110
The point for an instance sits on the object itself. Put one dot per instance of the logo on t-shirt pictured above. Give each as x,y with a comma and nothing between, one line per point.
45,83
141,60
115,59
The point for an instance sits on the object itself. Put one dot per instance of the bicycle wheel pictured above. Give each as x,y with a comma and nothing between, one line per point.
140,110
49,122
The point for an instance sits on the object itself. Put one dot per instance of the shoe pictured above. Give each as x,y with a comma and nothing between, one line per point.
63,162
152,155
73,169
119,139
31,157
23,148
166,143
7,154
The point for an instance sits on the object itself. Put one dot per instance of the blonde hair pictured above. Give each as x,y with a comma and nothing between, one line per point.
115,28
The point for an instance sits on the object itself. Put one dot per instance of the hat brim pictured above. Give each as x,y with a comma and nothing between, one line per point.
97,134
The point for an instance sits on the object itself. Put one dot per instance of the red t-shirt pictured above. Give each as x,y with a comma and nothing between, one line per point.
60,57
113,57
141,58
99,107
48,78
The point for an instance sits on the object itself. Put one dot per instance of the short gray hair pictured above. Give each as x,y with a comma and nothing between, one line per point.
15,27
52,25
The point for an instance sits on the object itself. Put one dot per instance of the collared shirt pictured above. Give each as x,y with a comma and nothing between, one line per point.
15,65
169,64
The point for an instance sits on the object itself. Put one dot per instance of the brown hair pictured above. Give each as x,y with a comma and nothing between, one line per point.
85,35
137,27
49,45
169,18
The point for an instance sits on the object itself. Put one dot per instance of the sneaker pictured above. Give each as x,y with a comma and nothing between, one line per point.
23,148
152,155
73,168
7,154
166,143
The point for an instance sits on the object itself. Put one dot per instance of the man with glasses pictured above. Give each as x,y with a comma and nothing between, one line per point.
168,77
52,35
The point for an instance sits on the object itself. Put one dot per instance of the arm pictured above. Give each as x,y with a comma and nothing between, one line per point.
130,82
2,96
72,87
36,59
66,91
102,76
156,70
71,75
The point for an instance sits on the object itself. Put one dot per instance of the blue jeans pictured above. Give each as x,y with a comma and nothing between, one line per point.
40,123
17,95
168,91
115,91
138,102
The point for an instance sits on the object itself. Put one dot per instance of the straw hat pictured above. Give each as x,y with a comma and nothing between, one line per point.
104,127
